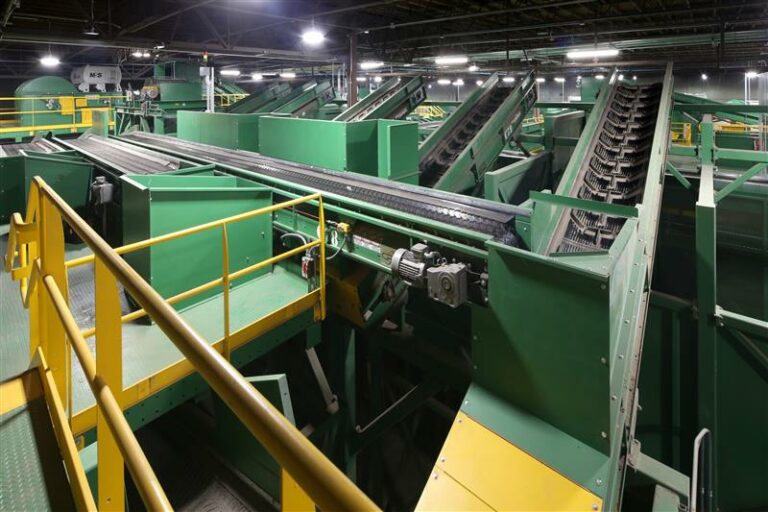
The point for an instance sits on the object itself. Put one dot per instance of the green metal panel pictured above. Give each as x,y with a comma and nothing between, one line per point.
69,176
309,141
234,131
398,151
513,182
238,445
159,204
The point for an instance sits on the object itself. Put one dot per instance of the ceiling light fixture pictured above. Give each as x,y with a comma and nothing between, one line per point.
137,54
49,61
230,72
634,77
459,82
371,64
600,77
479,83
473,68
541,80
559,79
508,79
159,46
377,79
704,77
444,81
257,77
145,54
750,74
621,78
589,54
361,79
287,75
312,37
451,60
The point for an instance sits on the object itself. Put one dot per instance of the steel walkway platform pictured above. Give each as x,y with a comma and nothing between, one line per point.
32,476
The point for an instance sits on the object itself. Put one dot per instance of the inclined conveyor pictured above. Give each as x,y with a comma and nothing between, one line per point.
394,99
481,216
614,168
457,155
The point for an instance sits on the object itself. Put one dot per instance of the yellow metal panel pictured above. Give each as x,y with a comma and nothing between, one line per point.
501,474
444,493
292,497
18,391
109,367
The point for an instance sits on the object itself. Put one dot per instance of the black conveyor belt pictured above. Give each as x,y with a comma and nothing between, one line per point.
122,157
440,158
614,167
482,216
36,145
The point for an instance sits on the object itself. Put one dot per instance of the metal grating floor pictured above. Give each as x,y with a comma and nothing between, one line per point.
32,475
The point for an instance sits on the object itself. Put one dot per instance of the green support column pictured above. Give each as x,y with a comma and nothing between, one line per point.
706,283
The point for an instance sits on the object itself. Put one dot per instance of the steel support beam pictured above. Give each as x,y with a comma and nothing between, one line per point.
706,286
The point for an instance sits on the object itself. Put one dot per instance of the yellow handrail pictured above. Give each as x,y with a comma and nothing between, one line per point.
325,484
148,485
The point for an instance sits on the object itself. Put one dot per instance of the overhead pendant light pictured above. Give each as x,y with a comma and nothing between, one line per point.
451,60
312,36
288,75
541,80
600,77
361,79
50,61
592,54
459,82
444,81
559,79
138,54
371,64
508,79
750,74
479,83
473,68
159,46
145,54
257,77
704,77
377,79
230,72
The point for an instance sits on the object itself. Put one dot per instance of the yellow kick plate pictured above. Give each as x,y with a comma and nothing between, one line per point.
19,391
479,470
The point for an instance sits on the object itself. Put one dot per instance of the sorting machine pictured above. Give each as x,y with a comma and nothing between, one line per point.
442,259
515,330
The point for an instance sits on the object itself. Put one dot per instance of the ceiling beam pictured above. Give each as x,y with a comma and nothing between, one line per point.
157,19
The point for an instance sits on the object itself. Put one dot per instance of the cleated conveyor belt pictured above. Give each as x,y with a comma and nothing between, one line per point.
435,163
36,145
393,100
122,157
494,219
614,168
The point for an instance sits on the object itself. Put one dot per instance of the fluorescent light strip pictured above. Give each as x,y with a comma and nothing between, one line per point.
589,54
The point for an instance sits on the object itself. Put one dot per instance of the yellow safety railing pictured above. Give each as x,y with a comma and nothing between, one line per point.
37,242
682,133
431,111
52,113
528,121
741,128
226,100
